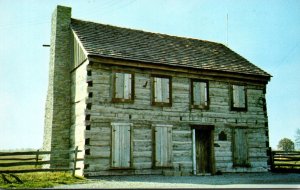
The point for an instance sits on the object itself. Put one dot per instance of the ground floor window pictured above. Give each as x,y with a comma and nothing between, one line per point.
121,145
240,147
163,145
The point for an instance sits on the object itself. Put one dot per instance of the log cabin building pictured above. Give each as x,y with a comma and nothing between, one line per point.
138,102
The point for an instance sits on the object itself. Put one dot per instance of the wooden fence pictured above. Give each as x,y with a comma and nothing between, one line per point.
282,161
34,160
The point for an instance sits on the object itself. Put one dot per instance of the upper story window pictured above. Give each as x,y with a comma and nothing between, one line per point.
123,87
239,98
199,94
161,93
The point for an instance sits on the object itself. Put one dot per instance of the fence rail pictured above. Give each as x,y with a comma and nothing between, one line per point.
284,161
34,159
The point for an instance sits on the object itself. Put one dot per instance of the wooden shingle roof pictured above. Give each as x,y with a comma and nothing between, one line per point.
135,45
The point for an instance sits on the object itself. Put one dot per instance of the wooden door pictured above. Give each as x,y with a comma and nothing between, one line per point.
204,152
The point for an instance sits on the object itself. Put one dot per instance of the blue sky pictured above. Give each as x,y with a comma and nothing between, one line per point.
265,32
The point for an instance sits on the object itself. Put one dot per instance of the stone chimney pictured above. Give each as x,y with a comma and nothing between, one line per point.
58,103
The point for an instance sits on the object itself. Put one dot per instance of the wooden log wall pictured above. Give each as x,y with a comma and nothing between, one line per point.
79,94
93,130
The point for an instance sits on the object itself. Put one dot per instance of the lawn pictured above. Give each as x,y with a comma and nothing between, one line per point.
39,180
32,179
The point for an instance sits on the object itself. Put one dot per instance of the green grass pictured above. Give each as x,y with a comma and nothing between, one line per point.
40,180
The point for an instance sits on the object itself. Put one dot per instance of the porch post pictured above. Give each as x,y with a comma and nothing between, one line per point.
194,151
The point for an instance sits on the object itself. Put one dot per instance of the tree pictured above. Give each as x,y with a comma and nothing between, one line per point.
286,144
297,139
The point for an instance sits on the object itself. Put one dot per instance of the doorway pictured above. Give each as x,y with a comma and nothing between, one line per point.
203,150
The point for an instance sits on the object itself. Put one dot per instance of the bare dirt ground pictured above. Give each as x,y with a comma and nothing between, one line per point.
249,180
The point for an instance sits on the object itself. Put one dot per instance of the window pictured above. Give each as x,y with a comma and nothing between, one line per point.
163,146
240,147
123,87
199,94
161,91
121,145
238,102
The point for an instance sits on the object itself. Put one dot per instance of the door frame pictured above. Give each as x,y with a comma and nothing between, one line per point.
198,128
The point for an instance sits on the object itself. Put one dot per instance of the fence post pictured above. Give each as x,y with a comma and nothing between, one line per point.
75,160
37,158
272,160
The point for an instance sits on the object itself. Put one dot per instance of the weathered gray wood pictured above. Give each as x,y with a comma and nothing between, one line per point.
203,94
238,96
126,147
75,160
121,145
196,93
127,86
119,85
163,146
115,146
37,157
143,114
23,153
32,153
78,54
242,96
165,82
37,170
235,96
11,159
24,163
157,89
240,147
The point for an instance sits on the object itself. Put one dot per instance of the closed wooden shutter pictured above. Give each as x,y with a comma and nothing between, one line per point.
165,82
240,147
196,93
119,85
239,97
161,90
242,98
121,145
235,96
200,94
163,146
203,94
127,86
157,89
123,87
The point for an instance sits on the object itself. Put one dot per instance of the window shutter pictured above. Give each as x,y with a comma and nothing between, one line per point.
238,95
165,88
127,86
115,146
169,146
234,96
203,94
242,98
158,149
125,146
157,89
119,85
163,146
121,144
240,154
196,93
